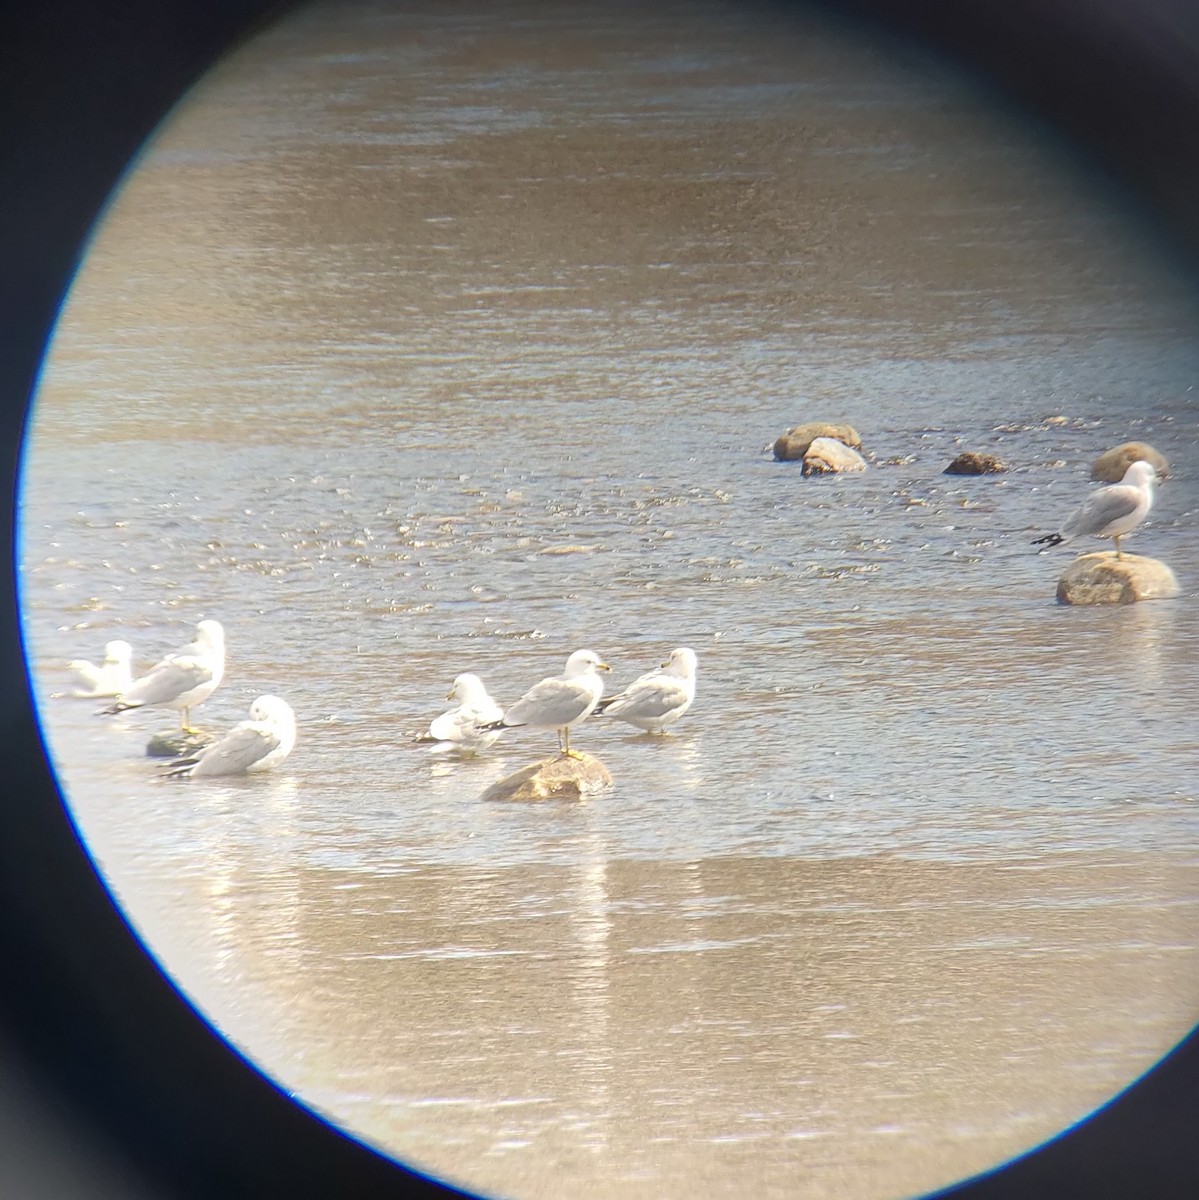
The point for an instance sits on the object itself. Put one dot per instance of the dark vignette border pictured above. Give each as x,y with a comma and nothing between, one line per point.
110,1084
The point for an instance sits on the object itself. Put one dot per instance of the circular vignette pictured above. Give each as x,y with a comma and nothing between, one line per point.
148,1100
115,1085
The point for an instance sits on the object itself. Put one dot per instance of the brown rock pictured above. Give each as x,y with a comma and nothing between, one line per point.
1102,578
1110,466
828,456
177,743
793,445
974,462
560,778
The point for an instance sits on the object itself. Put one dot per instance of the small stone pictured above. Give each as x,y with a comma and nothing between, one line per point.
1102,578
793,445
1110,466
827,456
177,743
560,778
974,462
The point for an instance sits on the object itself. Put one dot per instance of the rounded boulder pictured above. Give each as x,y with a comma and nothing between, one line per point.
177,743
793,445
975,462
1102,578
559,778
828,456
1110,466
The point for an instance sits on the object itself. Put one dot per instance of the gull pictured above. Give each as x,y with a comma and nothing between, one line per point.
1112,511
470,727
110,678
259,744
562,700
658,698
184,678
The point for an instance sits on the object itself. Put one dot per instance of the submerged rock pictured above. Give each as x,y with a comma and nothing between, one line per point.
793,445
974,462
827,456
176,743
559,778
1110,466
1102,578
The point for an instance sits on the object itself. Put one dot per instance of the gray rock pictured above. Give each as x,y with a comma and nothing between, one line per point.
827,456
974,462
175,743
1102,578
1110,466
559,778
793,445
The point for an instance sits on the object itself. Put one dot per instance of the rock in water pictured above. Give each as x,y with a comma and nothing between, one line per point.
175,743
793,445
1110,466
827,456
559,778
1102,578
974,462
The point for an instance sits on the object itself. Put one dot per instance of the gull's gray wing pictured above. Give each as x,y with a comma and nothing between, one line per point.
464,722
448,727
237,751
1102,508
649,699
456,725
169,680
551,702
87,675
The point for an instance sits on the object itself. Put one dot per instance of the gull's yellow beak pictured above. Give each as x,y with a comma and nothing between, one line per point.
450,694
602,667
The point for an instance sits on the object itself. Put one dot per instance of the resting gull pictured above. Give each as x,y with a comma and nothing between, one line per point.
181,680
259,744
658,698
470,727
562,700
109,678
1112,511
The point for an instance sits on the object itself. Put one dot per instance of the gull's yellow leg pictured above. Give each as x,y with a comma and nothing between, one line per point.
568,751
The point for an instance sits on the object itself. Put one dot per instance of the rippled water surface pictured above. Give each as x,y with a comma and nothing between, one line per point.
426,341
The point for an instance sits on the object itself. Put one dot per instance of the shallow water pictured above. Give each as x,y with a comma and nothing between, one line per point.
424,342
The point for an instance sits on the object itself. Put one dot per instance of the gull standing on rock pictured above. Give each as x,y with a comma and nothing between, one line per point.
181,680
562,700
470,727
1112,511
259,744
110,678
658,698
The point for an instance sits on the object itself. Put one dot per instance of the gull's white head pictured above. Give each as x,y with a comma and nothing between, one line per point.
117,653
581,662
211,634
1140,474
272,710
468,689
681,662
